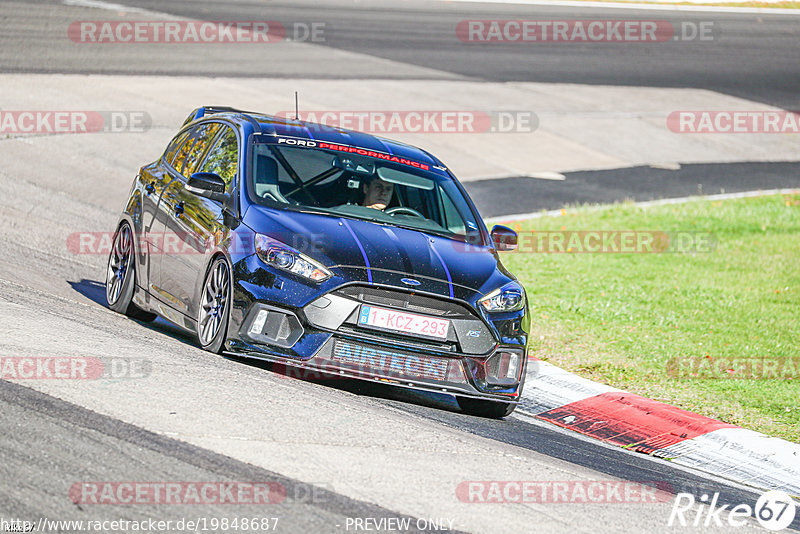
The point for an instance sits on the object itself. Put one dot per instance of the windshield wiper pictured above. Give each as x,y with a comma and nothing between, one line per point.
314,211
364,218
424,230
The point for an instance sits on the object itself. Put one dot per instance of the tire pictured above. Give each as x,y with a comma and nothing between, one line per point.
484,408
121,276
491,409
215,306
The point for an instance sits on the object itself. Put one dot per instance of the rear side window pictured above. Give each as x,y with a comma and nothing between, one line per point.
180,154
172,149
223,158
203,136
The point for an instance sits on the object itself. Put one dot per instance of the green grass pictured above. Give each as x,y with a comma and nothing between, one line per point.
620,318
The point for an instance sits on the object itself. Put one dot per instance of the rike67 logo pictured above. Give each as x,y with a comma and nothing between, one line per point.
774,510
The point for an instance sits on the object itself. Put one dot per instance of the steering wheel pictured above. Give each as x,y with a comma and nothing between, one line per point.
405,210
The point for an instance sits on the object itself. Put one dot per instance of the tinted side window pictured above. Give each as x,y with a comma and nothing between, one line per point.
452,220
180,155
203,136
223,158
174,144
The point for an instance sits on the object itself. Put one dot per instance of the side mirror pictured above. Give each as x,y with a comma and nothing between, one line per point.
208,185
504,238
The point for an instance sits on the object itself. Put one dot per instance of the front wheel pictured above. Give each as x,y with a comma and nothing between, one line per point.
214,309
121,276
484,408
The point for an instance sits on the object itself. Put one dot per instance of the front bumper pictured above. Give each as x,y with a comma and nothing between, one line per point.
324,366
323,337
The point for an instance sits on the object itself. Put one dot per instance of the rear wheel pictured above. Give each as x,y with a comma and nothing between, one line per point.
121,276
484,408
214,309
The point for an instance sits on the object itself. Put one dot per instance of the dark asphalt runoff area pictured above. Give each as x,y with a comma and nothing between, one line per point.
522,195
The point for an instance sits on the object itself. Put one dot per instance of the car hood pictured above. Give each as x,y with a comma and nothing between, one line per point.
382,254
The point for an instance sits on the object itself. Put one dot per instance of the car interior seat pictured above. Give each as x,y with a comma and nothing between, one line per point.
266,179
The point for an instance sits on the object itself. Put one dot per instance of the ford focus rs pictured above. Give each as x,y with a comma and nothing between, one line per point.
323,249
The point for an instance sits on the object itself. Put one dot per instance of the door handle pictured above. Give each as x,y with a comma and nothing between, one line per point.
178,208
149,189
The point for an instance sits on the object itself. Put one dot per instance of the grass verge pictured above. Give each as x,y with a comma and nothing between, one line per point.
625,319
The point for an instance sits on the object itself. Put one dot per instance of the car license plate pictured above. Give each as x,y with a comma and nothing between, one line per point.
407,323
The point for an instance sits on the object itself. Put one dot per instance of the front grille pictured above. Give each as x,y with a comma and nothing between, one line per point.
468,333
389,362
405,301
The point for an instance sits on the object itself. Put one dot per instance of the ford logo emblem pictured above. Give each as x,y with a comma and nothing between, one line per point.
410,281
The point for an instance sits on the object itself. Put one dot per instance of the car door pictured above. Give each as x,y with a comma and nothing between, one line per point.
168,225
154,178
197,222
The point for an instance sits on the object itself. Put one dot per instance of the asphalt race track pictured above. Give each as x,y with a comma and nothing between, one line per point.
421,33
347,456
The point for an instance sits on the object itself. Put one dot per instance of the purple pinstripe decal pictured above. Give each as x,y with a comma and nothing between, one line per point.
363,252
446,270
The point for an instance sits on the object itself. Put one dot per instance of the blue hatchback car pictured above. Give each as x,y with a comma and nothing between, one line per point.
323,249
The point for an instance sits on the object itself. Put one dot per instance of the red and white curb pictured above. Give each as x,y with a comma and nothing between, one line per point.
651,427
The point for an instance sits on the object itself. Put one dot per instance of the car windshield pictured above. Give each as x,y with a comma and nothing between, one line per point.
360,184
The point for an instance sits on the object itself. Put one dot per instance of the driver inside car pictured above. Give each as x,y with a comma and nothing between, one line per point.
377,193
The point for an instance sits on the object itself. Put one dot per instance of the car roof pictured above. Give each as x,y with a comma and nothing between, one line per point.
271,125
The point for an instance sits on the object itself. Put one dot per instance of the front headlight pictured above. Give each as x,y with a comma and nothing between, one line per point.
275,253
510,297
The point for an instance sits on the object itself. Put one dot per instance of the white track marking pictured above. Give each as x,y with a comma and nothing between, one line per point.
548,387
745,455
